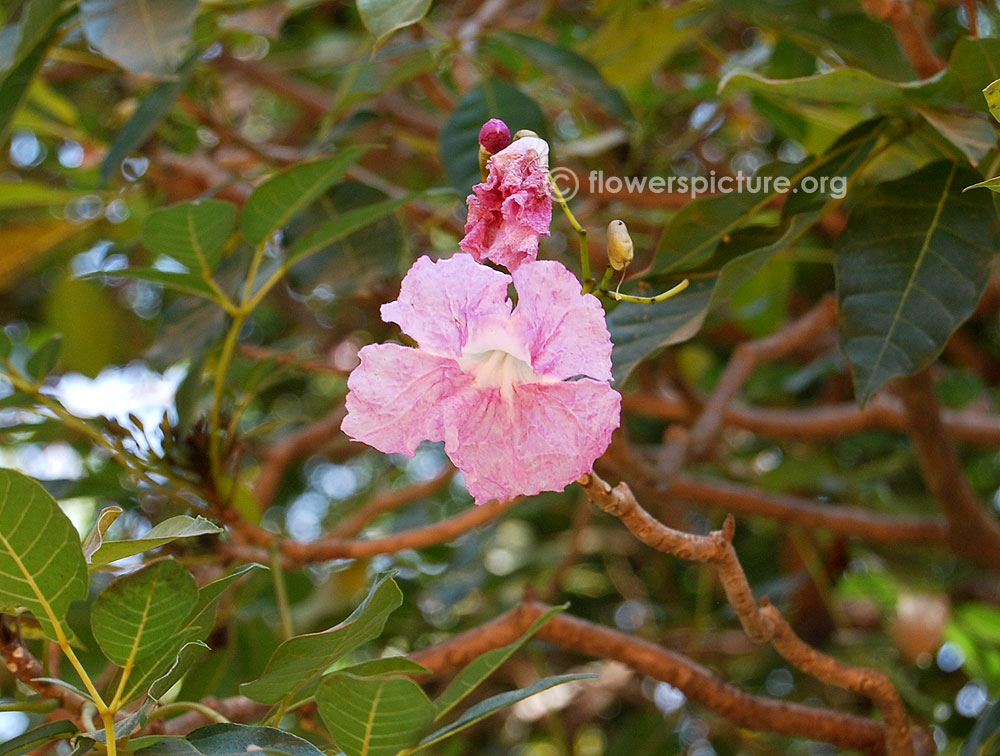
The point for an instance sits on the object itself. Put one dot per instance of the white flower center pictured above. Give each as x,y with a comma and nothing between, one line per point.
496,359
498,369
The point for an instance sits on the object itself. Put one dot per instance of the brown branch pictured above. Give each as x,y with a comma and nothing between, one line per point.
25,667
741,364
824,422
972,531
759,623
697,683
391,500
847,521
276,459
297,554
899,15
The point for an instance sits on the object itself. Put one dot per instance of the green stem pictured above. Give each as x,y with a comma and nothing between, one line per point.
581,232
215,414
178,706
40,707
281,593
649,300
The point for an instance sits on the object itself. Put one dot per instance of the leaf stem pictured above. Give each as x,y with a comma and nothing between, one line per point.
618,297
581,232
177,706
281,593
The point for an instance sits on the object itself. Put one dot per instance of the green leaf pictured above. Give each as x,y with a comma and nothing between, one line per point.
911,266
300,660
186,657
67,685
41,563
473,674
992,95
15,82
142,36
139,611
38,736
459,140
232,740
162,659
95,537
972,66
153,109
390,665
568,65
492,705
187,283
193,233
972,134
341,226
82,745
383,17
180,526
373,717
127,725
992,184
44,359
279,199
985,736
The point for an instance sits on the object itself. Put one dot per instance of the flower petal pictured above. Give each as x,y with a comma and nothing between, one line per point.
438,301
565,331
542,439
509,210
399,397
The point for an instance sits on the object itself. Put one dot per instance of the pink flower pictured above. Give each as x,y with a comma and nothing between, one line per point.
509,210
521,399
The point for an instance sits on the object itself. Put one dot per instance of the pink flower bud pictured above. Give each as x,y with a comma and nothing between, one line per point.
494,135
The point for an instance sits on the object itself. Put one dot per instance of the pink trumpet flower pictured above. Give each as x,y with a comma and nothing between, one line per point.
509,210
519,395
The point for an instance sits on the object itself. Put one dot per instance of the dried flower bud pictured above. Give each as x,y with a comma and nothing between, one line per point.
620,249
494,136
484,158
525,133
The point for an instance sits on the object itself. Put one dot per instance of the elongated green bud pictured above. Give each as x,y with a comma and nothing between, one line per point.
620,249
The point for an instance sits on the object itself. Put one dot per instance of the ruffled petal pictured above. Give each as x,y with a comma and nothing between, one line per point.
439,300
542,439
512,208
399,396
565,332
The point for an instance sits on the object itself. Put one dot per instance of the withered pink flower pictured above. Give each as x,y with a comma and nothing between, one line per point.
519,395
509,210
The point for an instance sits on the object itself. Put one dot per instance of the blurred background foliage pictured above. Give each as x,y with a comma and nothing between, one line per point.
105,120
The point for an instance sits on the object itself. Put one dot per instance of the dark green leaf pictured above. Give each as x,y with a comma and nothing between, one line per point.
41,563
82,745
187,283
164,657
373,717
15,82
567,64
153,109
300,660
383,17
911,266
983,740
44,359
193,233
341,226
180,526
482,667
142,36
497,703
139,611
36,22
38,736
279,199
459,140
232,740
390,665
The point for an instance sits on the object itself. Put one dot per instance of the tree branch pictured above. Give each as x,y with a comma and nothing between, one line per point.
762,624
972,531
899,15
